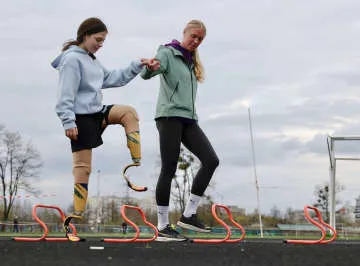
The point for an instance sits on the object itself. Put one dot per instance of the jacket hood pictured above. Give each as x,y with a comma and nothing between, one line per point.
72,49
164,47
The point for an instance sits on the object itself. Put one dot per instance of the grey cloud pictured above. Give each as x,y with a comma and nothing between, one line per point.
295,61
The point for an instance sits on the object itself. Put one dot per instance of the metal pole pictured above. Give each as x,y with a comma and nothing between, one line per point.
333,158
332,190
98,220
255,173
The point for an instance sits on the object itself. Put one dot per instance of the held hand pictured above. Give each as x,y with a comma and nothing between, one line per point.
72,133
154,64
145,61
151,64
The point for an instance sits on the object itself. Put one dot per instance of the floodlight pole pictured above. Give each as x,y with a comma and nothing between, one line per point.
255,173
98,219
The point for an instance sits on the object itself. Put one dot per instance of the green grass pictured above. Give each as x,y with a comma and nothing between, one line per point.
192,235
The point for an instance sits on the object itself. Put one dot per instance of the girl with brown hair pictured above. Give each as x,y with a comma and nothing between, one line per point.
79,106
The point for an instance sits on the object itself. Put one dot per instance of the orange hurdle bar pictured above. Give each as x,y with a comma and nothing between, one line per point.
137,233
228,234
44,226
321,224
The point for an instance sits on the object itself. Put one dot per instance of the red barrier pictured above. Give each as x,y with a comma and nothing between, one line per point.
136,238
44,226
137,230
226,239
321,224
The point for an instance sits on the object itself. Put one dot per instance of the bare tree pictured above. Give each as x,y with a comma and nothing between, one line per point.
322,201
183,178
19,164
290,215
275,212
187,166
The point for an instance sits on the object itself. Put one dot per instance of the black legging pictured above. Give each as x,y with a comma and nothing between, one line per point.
173,132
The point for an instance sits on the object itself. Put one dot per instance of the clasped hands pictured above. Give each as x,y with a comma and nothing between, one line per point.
151,64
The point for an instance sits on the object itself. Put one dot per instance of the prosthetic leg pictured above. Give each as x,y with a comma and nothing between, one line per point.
128,118
81,172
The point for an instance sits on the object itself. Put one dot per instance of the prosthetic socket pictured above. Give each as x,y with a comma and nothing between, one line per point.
133,143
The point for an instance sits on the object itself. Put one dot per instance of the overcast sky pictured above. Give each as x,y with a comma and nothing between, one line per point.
296,62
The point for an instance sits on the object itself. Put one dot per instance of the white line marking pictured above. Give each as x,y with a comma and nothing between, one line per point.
96,248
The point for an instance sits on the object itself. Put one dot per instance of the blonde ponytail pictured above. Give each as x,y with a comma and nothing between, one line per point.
199,69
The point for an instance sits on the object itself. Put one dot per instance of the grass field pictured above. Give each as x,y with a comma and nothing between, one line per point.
192,235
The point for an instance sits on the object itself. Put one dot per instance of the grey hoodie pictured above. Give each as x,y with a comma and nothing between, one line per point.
81,79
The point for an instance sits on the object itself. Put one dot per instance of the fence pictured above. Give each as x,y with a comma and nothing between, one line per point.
282,230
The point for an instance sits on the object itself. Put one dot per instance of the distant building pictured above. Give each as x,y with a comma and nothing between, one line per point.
148,204
299,216
357,210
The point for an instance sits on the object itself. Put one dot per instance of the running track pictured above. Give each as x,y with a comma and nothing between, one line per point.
247,252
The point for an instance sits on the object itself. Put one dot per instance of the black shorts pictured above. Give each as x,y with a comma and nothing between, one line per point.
90,129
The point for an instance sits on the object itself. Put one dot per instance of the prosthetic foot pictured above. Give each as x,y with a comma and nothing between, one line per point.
133,143
80,198
68,232
127,179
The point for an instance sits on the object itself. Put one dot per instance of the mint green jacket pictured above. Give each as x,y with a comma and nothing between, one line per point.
178,84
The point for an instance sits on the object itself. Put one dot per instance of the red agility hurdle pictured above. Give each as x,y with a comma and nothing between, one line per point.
44,226
137,230
226,239
320,224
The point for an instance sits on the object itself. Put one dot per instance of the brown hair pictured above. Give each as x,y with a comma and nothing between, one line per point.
199,69
87,27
